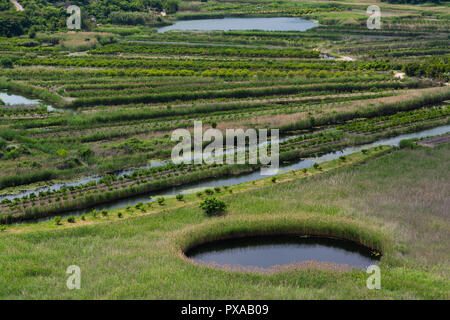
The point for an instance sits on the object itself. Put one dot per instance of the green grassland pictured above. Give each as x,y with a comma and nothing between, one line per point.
395,203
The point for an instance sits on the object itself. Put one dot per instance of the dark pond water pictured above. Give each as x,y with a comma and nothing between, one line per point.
226,24
269,251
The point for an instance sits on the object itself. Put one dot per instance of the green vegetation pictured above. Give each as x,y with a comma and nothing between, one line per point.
213,206
112,94
344,203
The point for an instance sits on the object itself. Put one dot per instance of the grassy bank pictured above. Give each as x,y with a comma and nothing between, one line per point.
382,204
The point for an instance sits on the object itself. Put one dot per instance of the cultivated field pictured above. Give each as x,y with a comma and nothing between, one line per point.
111,97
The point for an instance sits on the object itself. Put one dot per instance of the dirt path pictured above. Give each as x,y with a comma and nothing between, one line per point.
17,5
435,141
346,58
399,75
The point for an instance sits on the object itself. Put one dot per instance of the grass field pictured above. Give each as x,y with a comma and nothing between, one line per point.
396,202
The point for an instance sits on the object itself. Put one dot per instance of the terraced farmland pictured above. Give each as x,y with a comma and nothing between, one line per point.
115,105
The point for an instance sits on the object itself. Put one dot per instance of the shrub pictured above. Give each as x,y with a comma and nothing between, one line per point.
217,189
139,205
180,197
119,214
161,201
104,213
57,220
71,219
209,192
213,206
407,144
274,179
6,63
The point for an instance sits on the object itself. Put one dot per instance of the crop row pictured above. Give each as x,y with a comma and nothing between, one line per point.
398,119
240,93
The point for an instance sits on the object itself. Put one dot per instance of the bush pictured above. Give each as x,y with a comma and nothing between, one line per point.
161,201
180,197
274,179
213,206
139,205
119,214
407,144
104,213
6,63
209,192
71,219
57,220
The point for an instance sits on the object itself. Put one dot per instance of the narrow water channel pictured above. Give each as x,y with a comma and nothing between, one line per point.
218,182
234,180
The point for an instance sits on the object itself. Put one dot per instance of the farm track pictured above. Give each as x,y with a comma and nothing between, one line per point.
435,141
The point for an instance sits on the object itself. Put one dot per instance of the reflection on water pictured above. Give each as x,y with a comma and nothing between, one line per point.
15,99
227,24
269,251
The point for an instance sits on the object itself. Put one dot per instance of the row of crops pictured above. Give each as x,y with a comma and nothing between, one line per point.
119,103
144,181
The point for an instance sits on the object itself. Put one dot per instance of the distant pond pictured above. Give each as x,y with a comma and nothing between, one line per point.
227,24
280,251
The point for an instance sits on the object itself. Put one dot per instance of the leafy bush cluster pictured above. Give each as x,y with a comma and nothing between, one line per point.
213,206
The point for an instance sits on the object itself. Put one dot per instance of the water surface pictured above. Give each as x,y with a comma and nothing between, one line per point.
270,251
227,24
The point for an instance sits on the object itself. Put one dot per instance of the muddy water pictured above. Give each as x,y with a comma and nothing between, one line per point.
270,251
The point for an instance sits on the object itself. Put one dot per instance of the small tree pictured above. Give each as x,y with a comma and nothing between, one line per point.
161,201
57,220
213,206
